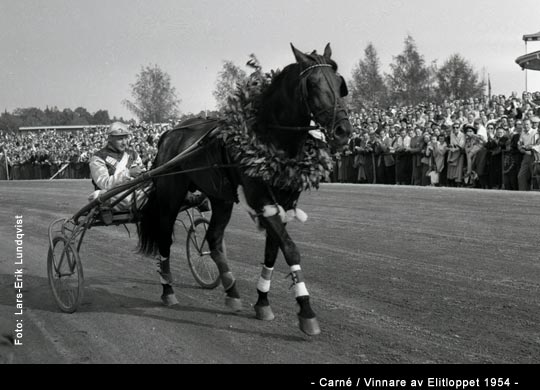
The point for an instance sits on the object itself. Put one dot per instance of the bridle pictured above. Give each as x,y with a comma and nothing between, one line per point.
313,67
304,94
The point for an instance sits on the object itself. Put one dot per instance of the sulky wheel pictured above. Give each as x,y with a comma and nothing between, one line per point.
202,266
65,273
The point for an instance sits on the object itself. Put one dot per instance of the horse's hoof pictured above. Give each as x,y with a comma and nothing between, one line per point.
234,304
169,300
264,313
309,326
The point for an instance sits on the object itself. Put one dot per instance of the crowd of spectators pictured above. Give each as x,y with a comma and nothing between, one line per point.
481,142
489,142
41,154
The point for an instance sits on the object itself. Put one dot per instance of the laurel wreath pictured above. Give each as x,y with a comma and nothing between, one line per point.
261,160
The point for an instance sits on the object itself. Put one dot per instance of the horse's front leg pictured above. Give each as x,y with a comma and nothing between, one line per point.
221,214
276,229
263,311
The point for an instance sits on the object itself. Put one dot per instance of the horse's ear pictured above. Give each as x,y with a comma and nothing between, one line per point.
327,51
301,58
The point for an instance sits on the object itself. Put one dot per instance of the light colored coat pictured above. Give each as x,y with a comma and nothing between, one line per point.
107,171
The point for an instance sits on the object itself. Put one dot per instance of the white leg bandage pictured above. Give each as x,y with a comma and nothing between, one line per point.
263,285
286,216
271,210
300,289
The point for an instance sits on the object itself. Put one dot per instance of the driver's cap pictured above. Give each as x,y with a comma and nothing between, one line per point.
118,128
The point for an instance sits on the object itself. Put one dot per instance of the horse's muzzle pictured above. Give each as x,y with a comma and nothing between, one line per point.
342,133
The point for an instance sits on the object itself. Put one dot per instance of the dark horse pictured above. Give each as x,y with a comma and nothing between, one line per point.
310,89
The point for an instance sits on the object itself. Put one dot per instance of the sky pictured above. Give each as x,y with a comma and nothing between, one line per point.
87,53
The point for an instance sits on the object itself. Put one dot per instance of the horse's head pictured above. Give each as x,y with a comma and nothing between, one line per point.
323,90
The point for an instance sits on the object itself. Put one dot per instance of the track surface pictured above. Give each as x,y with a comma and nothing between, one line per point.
396,275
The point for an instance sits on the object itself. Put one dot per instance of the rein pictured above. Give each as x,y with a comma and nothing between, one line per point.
294,128
213,166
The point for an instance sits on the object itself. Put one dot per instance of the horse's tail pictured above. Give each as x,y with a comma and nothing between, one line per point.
148,226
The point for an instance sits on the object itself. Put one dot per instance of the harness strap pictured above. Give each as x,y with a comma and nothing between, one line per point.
313,67
303,87
293,128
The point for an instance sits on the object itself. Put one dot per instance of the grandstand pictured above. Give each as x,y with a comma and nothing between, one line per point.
66,129
529,60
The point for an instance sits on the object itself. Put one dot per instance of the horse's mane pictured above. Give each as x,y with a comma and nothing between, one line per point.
278,80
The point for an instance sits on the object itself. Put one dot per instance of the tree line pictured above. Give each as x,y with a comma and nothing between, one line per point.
410,81
52,116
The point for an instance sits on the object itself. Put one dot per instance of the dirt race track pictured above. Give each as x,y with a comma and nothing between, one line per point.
396,275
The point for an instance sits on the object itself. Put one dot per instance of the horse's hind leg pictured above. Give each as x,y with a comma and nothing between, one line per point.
307,320
221,215
167,218
263,311
165,277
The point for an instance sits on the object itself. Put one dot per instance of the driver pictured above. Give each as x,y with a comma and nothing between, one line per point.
117,164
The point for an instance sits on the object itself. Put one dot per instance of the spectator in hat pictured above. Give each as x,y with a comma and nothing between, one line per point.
455,157
473,144
494,147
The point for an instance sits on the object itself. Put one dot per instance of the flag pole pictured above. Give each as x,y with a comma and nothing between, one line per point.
526,68
489,87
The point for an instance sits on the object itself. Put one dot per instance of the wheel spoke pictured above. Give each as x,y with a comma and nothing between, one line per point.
195,241
59,266
65,274
198,254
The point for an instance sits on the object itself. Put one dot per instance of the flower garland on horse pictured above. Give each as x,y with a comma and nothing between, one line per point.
261,160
